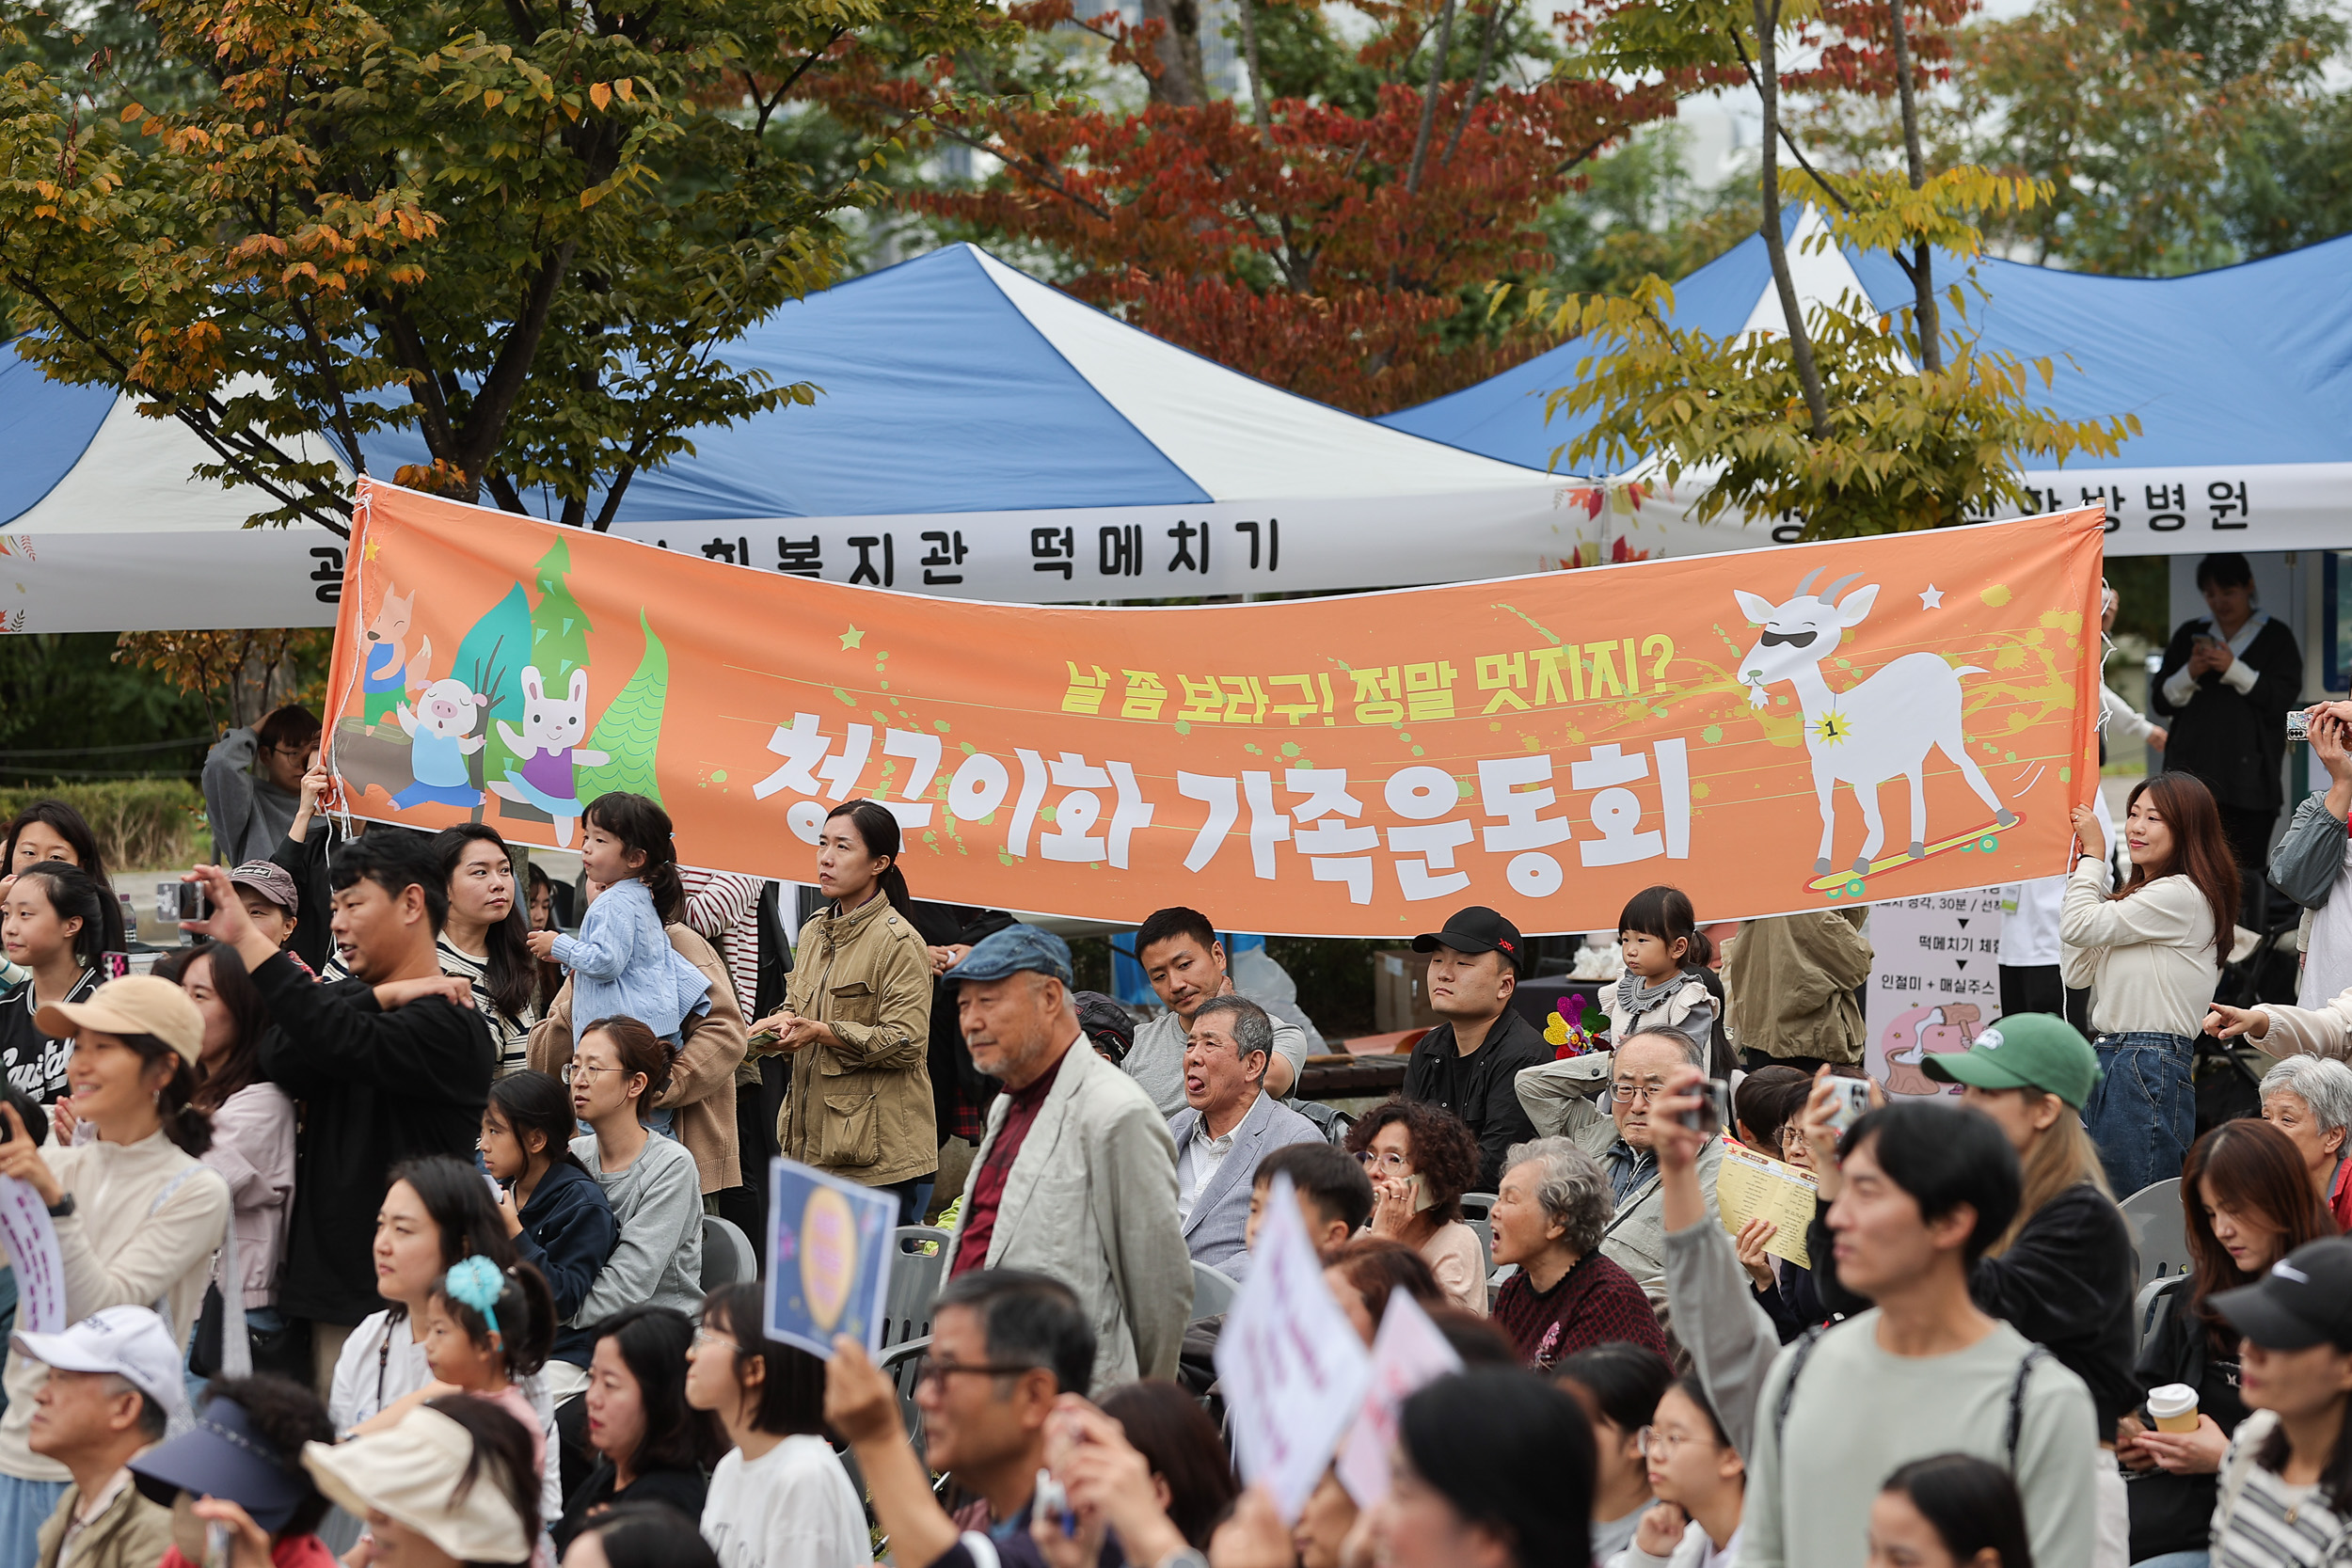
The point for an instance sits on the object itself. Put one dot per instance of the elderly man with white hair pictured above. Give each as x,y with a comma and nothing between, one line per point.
2310,1100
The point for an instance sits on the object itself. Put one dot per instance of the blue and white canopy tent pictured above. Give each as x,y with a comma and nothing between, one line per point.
2242,380
980,435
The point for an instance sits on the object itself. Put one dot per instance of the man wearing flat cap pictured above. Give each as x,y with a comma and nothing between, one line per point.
1076,1176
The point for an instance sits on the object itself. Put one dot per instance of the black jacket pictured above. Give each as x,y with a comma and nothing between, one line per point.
2174,1513
2234,742
1478,1088
376,1088
2066,1283
305,862
681,1489
569,1231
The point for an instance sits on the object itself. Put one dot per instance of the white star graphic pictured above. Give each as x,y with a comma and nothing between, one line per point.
1933,598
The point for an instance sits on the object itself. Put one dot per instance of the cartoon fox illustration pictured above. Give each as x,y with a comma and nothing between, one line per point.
391,673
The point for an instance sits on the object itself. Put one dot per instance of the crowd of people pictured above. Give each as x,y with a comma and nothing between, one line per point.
379,1211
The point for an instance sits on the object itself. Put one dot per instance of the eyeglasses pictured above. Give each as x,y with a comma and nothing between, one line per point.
573,1070
1390,1161
1624,1091
711,1338
1654,1444
937,1372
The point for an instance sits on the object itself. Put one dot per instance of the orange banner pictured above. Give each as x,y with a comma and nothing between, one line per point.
1770,731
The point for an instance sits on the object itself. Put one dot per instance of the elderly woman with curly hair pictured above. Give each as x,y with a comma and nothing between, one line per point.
1420,1159
1565,1296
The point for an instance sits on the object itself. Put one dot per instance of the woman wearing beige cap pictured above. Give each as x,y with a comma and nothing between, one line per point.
450,1486
150,1242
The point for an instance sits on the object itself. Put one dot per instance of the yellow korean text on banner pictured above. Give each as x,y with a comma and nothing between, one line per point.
1772,731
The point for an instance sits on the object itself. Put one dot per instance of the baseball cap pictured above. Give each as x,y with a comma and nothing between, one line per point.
135,1004
130,1343
410,1473
2305,1300
1476,929
222,1456
272,882
2024,1051
1013,950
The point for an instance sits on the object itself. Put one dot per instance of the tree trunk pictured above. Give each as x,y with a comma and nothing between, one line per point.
1248,12
1429,97
1784,281
1926,318
1181,83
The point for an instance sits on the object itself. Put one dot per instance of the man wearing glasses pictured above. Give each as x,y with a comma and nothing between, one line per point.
1554,1094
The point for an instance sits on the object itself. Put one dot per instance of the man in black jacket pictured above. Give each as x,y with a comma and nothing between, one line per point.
378,1085
1466,1064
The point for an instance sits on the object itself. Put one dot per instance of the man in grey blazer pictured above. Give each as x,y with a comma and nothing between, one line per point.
1229,1123
1076,1178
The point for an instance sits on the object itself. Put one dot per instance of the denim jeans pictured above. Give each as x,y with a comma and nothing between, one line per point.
2143,1114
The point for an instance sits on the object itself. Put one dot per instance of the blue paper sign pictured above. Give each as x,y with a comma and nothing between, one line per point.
829,1246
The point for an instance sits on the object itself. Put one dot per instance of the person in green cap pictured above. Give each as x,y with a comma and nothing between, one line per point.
2063,1273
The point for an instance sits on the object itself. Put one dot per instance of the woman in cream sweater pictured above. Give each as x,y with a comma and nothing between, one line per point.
137,1217
2150,953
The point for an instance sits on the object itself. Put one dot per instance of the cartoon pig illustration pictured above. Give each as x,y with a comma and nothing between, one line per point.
441,738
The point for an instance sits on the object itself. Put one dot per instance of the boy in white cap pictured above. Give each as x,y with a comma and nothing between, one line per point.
114,1388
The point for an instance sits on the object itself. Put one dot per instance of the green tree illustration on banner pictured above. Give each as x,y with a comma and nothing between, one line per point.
490,662
631,731
558,627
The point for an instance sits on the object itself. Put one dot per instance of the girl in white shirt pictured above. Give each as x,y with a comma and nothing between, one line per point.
1699,1480
2150,953
780,1498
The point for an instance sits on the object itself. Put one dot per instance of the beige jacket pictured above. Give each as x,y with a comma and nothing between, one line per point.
862,1109
702,1080
146,1222
2308,1031
1090,1200
129,1532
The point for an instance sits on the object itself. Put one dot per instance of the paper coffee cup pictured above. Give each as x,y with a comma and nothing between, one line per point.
2174,1407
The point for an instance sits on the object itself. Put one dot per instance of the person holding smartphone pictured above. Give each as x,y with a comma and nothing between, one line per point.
1421,1160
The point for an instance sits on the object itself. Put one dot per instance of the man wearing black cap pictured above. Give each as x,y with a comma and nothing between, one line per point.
1466,1064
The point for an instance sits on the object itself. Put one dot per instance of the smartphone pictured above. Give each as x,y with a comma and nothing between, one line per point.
1050,1502
114,966
215,1546
1708,1117
1423,1198
2300,725
1850,1102
176,901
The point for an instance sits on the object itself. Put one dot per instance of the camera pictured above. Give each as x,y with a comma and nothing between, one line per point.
177,901
1851,1100
2300,725
1708,1117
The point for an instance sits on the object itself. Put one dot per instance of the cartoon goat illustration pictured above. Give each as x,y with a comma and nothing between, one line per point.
1874,729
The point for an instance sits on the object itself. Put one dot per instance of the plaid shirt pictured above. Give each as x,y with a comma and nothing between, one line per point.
1593,1303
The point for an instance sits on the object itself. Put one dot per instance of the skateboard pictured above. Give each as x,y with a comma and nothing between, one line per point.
1850,883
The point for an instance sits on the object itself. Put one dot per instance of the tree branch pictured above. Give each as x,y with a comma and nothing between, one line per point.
1429,97
1248,12
1495,13
1927,319
1784,281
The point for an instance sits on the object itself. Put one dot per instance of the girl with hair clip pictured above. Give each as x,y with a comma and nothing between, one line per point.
780,1498
51,830
53,927
482,940
1667,984
2150,951
856,1020
622,963
552,1207
137,1218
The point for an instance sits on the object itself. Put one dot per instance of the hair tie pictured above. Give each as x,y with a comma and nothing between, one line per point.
478,1284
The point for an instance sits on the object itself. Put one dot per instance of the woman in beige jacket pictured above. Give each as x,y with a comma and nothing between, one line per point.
856,1020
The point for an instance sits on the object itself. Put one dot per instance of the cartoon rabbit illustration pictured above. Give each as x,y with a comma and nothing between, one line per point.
390,671
441,738
554,727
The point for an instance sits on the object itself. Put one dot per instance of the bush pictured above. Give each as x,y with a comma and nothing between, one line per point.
141,824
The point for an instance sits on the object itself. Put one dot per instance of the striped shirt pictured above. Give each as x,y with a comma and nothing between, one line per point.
511,1034
2266,1522
723,909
